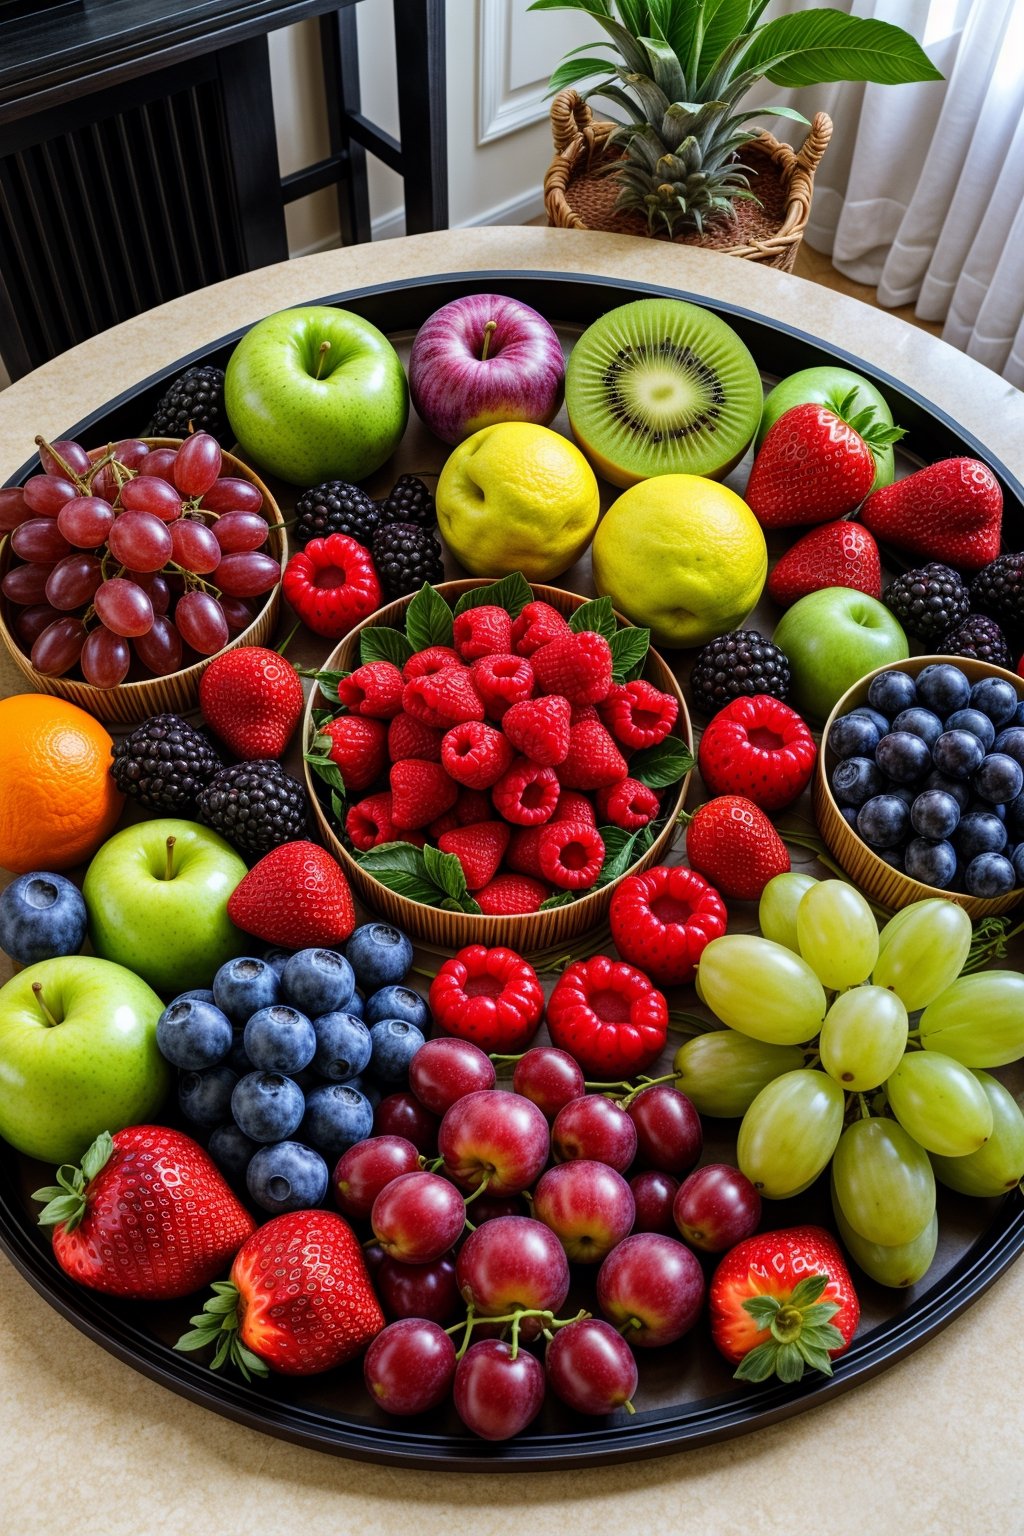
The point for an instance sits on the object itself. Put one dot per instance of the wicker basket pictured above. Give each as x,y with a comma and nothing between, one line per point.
576,197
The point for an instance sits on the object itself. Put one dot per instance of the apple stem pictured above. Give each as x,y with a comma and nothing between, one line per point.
37,988
325,347
489,330
169,868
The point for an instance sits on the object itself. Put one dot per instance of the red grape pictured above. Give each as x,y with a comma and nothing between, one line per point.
58,647
73,582
74,455
409,1366
31,622
668,1129
26,584
417,1217
495,1395
194,547
229,494
130,452
160,649
716,1208
490,1207
594,1127
364,1169
237,532
106,658
443,1071
654,1286
588,1206
104,484
86,521
14,509
157,587
124,608
653,1194
549,1077
494,1138
591,1367
510,1264
197,464
140,541
147,494
159,462
419,1290
201,622
237,613
402,1114
248,574
46,494
40,540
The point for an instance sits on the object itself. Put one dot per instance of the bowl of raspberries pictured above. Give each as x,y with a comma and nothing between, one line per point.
919,789
487,760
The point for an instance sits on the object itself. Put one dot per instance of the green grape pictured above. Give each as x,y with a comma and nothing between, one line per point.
897,1266
837,933
776,912
761,989
884,1182
863,1037
979,1020
723,1071
999,1164
789,1132
921,951
940,1103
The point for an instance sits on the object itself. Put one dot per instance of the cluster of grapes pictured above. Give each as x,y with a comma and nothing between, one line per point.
135,549
823,1059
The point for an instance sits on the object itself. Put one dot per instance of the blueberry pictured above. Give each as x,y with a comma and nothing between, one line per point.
902,757
287,1177
343,1046
356,1004
279,1039
1015,816
395,1043
193,1034
1017,718
267,1106
318,981
231,1150
337,1116
853,736
958,754
974,721
849,815
201,994
1018,863
995,697
367,1089
979,832
890,692
379,955
242,987
1011,741
891,856
883,821
238,1059
989,874
958,788
41,916
999,779
919,722
906,792
205,1097
934,815
943,688
880,721
277,959
855,780
397,1003
932,862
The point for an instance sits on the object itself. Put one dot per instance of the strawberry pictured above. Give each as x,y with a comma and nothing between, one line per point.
472,806
760,748
369,822
511,896
147,1216
662,919
733,844
299,1300
374,689
449,822
536,625
524,850
409,737
479,850
841,554
489,996
593,760
476,755
501,681
781,1301
577,666
295,897
358,748
951,511
252,699
332,585
638,714
609,1017
539,728
483,631
812,467
420,792
444,698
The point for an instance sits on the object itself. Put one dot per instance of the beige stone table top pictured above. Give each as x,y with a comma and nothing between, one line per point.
88,1446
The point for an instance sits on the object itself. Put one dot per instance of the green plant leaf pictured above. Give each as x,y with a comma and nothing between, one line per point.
572,71
814,47
591,7
337,808
622,849
629,649
666,763
446,872
428,619
328,682
402,856
563,899
512,593
597,615
324,769
724,22
383,644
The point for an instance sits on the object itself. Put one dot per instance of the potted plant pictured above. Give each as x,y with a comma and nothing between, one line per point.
684,162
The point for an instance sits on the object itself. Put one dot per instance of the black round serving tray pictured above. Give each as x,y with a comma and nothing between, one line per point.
686,1396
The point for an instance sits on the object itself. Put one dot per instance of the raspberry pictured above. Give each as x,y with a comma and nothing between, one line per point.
759,748
574,807
502,681
434,659
369,822
628,804
479,849
332,585
527,794
443,698
593,759
511,896
358,747
577,666
536,625
420,791
638,714
662,919
409,737
472,806
539,728
475,754
609,1017
489,996
483,631
375,689
570,855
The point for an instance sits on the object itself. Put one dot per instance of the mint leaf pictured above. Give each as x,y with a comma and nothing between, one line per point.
663,764
400,856
338,807
621,850
383,644
425,875
512,593
428,620
563,899
328,682
412,887
629,649
597,615
326,770
446,872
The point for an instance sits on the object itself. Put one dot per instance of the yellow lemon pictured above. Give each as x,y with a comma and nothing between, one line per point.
682,555
517,497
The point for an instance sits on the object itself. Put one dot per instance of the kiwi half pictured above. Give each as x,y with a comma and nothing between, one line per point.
662,387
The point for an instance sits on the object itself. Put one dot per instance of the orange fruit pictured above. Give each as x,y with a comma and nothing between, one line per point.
57,798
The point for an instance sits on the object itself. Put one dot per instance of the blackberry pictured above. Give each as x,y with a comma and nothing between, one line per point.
998,589
736,665
336,507
193,403
255,805
163,764
409,501
928,601
406,557
977,636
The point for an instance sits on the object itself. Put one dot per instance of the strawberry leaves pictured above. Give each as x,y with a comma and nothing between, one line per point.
512,593
425,875
218,1324
663,764
379,643
319,759
801,1329
428,619
597,615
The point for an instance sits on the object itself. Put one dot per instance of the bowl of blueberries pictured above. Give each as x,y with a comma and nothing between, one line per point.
919,789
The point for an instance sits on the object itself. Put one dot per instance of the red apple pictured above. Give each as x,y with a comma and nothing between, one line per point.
496,1138
363,1171
418,1217
651,1288
483,359
653,1194
668,1129
588,1206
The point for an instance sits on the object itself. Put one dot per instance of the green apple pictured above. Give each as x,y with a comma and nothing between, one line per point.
831,638
316,394
78,1055
849,395
157,897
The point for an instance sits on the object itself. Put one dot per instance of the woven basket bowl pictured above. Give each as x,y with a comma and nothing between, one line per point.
528,932
581,147
875,878
177,693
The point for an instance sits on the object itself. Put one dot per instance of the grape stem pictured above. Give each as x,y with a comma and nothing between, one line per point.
479,1189
76,480
551,1322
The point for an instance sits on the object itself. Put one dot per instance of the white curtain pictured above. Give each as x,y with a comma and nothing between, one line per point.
921,193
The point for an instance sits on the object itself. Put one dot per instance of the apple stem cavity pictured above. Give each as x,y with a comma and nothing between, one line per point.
489,330
169,866
37,988
325,347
